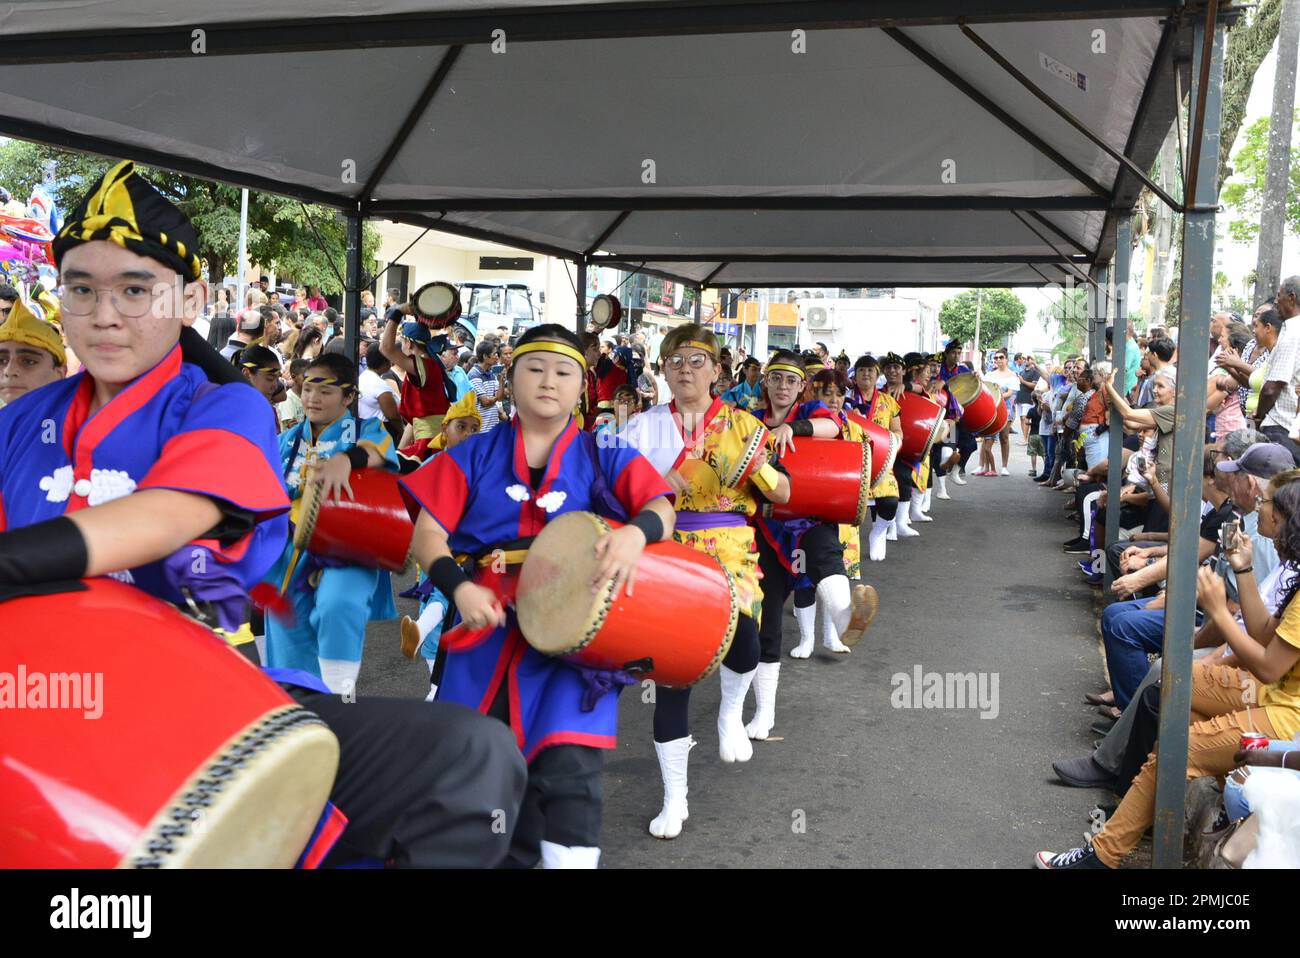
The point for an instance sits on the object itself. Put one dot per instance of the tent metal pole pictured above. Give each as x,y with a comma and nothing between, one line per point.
1119,347
580,291
1039,217
352,286
1189,440
1097,343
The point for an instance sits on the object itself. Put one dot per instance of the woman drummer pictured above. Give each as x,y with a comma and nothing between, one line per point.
898,381
715,458
803,556
882,409
488,498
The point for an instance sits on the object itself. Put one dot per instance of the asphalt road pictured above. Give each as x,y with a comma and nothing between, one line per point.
853,780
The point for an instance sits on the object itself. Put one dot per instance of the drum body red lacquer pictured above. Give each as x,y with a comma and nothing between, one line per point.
922,421
169,748
978,409
884,445
675,627
1001,414
374,529
830,479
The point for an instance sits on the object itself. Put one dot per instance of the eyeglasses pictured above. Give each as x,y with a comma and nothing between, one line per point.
782,379
129,299
1261,501
696,361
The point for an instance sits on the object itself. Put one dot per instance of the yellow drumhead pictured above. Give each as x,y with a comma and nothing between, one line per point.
557,612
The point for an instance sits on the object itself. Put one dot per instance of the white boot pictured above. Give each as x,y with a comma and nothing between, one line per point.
765,682
905,530
672,769
569,856
915,511
877,538
830,636
925,501
733,743
942,481
891,534
959,476
339,676
835,596
806,618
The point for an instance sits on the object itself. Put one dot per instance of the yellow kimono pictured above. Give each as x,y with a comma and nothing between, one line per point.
850,536
717,465
884,408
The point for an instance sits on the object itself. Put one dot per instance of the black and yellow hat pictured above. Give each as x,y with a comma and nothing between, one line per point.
891,359
123,208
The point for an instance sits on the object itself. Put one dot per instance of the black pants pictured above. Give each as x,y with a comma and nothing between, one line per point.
563,801
903,473
1142,737
823,556
886,507
672,706
966,443
423,784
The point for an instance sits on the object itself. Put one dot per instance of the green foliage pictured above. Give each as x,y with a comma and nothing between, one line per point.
280,237
1245,190
1069,315
1001,314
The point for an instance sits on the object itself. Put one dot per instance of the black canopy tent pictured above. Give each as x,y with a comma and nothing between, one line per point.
719,144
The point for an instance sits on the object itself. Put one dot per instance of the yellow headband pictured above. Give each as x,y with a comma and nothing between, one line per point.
23,327
789,368
699,345
546,346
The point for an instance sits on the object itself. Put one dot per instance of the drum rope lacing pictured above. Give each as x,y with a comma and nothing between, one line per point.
213,779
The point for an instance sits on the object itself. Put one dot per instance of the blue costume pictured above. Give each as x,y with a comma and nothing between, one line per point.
744,396
480,493
168,429
331,601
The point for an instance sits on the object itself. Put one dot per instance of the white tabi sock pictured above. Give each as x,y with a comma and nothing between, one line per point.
766,680
942,482
569,856
901,524
733,743
958,476
672,769
340,676
925,501
877,538
807,619
830,637
836,599
915,511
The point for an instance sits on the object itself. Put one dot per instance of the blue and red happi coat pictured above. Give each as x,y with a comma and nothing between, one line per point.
168,429
479,492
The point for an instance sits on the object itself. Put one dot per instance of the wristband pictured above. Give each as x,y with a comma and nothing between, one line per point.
446,576
801,427
394,315
766,477
359,457
44,552
650,524
1249,568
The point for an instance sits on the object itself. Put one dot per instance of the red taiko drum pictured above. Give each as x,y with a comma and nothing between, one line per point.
1000,419
922,421
884,445
152,744
675,627
978,408
374,529
830,479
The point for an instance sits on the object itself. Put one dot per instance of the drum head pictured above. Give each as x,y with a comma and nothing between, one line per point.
435,299
964,388
307,512
557,612
606,311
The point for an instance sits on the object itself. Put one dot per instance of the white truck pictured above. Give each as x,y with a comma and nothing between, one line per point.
875,326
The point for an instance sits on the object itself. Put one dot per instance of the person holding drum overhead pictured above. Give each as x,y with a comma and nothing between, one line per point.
186,503
427,388
487,499
715,459
331,601
783,541
882,409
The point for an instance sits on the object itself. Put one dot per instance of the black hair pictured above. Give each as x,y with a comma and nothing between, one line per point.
309,335
1271,317
7,292
331,315
486,349
866,361
259,357
376,361
1163,348
1110,334
297,366
220,330
343,368
552,331
1286,506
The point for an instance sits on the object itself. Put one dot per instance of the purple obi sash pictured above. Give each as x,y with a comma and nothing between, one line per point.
695,521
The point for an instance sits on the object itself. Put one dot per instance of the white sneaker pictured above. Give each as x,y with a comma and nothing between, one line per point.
1005,471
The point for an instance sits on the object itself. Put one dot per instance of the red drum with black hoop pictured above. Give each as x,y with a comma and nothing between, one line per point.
372,529
922,421
978,408
830,479
675,627
154,744
884,445
1001,414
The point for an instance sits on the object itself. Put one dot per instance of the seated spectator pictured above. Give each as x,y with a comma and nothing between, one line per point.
1262,667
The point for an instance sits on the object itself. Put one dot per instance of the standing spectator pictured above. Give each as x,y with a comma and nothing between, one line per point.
647,389
309,344
300,299
1277,401
315,301
368,311
1029,377
1007,382
377,396
291,411
1223,392
456,360
487,386
1160,354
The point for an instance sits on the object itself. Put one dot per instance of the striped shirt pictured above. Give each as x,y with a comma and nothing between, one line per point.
486,385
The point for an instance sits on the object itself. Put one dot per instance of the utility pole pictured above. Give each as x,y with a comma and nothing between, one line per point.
979,308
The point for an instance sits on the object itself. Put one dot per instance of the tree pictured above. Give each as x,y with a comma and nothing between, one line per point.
1001,314
1245,190
280,236
1069,314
